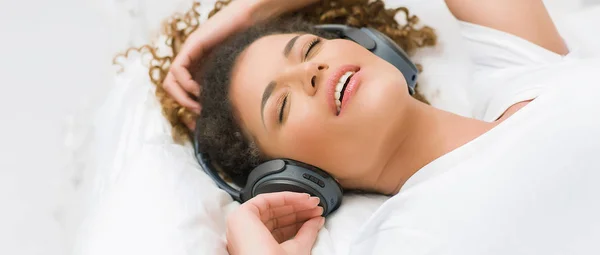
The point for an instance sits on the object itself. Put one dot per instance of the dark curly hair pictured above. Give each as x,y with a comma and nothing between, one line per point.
221,133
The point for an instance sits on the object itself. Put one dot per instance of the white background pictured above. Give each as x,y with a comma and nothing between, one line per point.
54,61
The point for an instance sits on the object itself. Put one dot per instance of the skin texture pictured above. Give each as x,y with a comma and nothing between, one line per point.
311,131
274,219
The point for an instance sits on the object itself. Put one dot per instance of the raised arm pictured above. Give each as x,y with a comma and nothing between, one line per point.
527,19
238,15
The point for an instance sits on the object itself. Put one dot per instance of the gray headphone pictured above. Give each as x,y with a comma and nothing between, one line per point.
290,175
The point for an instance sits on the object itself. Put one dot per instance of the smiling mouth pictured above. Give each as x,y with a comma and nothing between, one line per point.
340,88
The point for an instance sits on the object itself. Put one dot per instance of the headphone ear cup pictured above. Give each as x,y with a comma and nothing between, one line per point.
274,184
295,177
388,50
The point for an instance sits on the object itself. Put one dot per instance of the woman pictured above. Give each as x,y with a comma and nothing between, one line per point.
267,92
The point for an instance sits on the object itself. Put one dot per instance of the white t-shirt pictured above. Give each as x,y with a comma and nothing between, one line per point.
531,185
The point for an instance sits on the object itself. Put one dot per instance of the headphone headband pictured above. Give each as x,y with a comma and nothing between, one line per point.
206,165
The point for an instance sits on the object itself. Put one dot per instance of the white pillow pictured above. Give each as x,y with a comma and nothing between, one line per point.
139,192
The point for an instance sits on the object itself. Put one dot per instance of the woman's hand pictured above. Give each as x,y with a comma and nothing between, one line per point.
179,82
265,224
237,16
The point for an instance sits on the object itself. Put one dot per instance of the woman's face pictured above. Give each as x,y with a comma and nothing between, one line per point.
284,91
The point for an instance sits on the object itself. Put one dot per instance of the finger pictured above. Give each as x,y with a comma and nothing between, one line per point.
293,218
262,203
193,47
284,234
184,78
306,237
173,88
247,234
191,125
302,205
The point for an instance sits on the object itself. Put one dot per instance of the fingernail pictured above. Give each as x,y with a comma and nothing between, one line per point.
317,200
322,222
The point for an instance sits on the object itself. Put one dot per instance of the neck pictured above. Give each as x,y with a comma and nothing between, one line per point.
430,134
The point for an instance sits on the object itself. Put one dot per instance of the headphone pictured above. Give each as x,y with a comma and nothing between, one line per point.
289,175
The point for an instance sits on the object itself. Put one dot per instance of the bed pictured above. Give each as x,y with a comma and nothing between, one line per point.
139,192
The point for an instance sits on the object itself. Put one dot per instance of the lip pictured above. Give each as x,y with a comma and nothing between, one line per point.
333,81
351,89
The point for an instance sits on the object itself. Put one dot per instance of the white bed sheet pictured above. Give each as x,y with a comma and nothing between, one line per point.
142,194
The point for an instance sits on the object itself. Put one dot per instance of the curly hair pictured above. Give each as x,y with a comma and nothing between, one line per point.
219,131
220,134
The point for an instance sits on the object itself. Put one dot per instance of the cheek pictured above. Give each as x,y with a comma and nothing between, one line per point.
386,99
326,143
344,46
306,136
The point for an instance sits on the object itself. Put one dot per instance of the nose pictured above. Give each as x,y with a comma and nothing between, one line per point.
313,75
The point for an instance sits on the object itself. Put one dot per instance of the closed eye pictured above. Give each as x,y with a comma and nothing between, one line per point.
311,45
282,107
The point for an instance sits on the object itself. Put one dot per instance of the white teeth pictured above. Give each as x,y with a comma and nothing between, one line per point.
344,77
338,89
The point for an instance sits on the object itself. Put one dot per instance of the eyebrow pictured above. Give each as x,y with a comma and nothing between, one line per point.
289,46
266,94
269,89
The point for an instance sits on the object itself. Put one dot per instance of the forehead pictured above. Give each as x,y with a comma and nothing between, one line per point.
255,68
264,51
258,65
